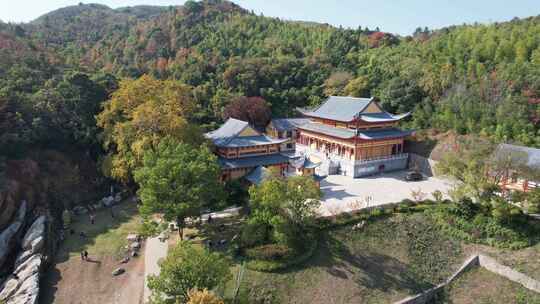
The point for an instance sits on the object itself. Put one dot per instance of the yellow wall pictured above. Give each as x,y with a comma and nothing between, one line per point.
248,131
372,108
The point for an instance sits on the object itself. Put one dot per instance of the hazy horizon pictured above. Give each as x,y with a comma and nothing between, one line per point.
399,18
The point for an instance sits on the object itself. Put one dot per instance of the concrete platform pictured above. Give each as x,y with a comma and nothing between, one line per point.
344,193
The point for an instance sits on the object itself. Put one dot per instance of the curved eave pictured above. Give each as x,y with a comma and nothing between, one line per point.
384,135
389,118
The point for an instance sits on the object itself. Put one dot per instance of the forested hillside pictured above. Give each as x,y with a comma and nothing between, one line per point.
56,72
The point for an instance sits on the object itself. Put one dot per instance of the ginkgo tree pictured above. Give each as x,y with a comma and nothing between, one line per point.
139,115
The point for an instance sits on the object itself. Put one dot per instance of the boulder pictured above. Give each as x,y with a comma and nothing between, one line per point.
135,246
108,201
79,210
35,231
118,271
7,237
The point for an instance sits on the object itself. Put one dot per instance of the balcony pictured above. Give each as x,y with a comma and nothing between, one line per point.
302,149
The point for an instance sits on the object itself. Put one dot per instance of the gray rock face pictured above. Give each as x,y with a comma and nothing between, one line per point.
8,288
35,231
27,293
22,257
7,236
24,287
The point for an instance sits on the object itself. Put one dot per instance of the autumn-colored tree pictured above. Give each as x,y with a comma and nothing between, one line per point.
358,87
254,110
203,297
139,115
336,83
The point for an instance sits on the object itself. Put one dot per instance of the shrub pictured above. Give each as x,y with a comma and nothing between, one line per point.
403,208
377,212
300,257
484,228
253,234
269,252
438,196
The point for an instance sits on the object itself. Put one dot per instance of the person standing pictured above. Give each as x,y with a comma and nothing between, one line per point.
82,255
86,255
92,218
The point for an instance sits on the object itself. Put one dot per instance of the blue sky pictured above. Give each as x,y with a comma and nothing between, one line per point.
396,16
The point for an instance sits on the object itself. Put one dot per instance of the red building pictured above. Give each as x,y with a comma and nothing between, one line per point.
354,137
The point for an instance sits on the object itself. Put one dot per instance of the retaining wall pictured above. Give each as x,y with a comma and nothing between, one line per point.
509,273
428,295
479,260
425,165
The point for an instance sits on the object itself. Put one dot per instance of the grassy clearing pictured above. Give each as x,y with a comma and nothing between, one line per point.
479,286
390,258
107,236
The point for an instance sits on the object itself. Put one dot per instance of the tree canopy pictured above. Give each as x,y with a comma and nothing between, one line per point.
139,115
178,181
185,268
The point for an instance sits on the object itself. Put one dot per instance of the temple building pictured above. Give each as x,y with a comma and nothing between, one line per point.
353,137
286,128
241,149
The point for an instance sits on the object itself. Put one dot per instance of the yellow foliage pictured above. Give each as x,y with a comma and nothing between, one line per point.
203,297
139,114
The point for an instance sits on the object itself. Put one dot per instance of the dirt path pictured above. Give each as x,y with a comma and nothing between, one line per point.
78,282
154,252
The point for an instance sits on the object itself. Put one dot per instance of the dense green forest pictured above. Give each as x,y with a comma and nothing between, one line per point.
57,71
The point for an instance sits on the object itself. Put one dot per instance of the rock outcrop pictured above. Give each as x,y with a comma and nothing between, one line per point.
35,231
22,286
8,236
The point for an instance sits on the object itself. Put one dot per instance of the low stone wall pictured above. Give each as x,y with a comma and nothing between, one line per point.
425,165
479,260
429,294
509,273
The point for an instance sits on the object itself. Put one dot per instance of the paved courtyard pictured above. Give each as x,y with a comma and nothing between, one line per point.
343,193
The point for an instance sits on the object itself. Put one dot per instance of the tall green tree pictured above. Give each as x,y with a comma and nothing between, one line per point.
285,207
178,181
186,267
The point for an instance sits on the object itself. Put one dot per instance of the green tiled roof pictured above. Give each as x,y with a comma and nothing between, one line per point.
346,133
340,108
329,130
227,136
288,124
253,161
258,175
